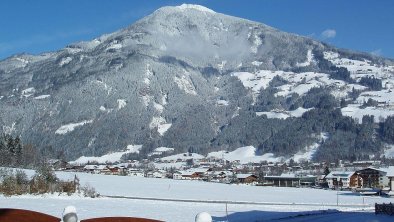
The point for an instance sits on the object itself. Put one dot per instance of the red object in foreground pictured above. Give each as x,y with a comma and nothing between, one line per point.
18,215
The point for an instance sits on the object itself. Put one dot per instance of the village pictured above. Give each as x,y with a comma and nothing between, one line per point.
364,177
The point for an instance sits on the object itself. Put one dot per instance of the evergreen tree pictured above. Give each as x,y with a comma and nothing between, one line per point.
326,171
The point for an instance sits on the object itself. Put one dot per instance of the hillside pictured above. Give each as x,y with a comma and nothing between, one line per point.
195,80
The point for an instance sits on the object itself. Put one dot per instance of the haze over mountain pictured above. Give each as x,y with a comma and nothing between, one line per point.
195,80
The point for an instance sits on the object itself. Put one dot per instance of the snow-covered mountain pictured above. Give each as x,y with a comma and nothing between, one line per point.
189,78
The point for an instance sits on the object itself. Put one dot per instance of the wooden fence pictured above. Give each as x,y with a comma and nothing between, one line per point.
13,215
384,209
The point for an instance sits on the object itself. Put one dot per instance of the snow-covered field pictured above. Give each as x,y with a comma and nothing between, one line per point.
246,203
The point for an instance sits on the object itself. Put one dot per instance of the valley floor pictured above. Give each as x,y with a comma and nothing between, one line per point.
182,200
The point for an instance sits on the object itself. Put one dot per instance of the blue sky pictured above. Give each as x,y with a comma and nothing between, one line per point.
48,25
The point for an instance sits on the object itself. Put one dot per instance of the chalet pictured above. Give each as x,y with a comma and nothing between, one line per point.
372,178
290,180
247,178
344,180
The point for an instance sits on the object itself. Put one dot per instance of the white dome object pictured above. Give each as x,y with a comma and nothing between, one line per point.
70,214
203,217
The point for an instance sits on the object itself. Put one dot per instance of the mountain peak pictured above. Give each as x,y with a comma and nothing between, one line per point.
194,7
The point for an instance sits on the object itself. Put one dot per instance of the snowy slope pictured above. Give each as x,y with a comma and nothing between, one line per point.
108,158
245,155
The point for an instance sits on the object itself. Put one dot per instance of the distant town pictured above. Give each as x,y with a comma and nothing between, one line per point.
364,177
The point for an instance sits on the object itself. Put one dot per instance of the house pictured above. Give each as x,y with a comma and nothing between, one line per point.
247,178
390,176
89,168
58,164
290,180
221,176
135,172
372,178
103,169
345,180
187,175
177,175
156,174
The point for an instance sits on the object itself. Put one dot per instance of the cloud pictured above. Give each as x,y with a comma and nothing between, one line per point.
377,52
328,33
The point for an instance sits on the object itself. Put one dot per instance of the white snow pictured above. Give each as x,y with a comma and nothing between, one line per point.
383,96
121,103
389,151
257,81
71,127
163,128
65,61
115,46
222,102
257,63
283,114
184,84
102,108
146,99
9,129
161,124
42,97
183,156
354,111
28,92
148,74
195,7
23,61
245,154
221,65
161,150
306,154
309,60
254,48
108,158
158,107
315,200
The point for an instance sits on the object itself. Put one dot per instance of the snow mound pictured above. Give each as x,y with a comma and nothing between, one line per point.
71,127
108,158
